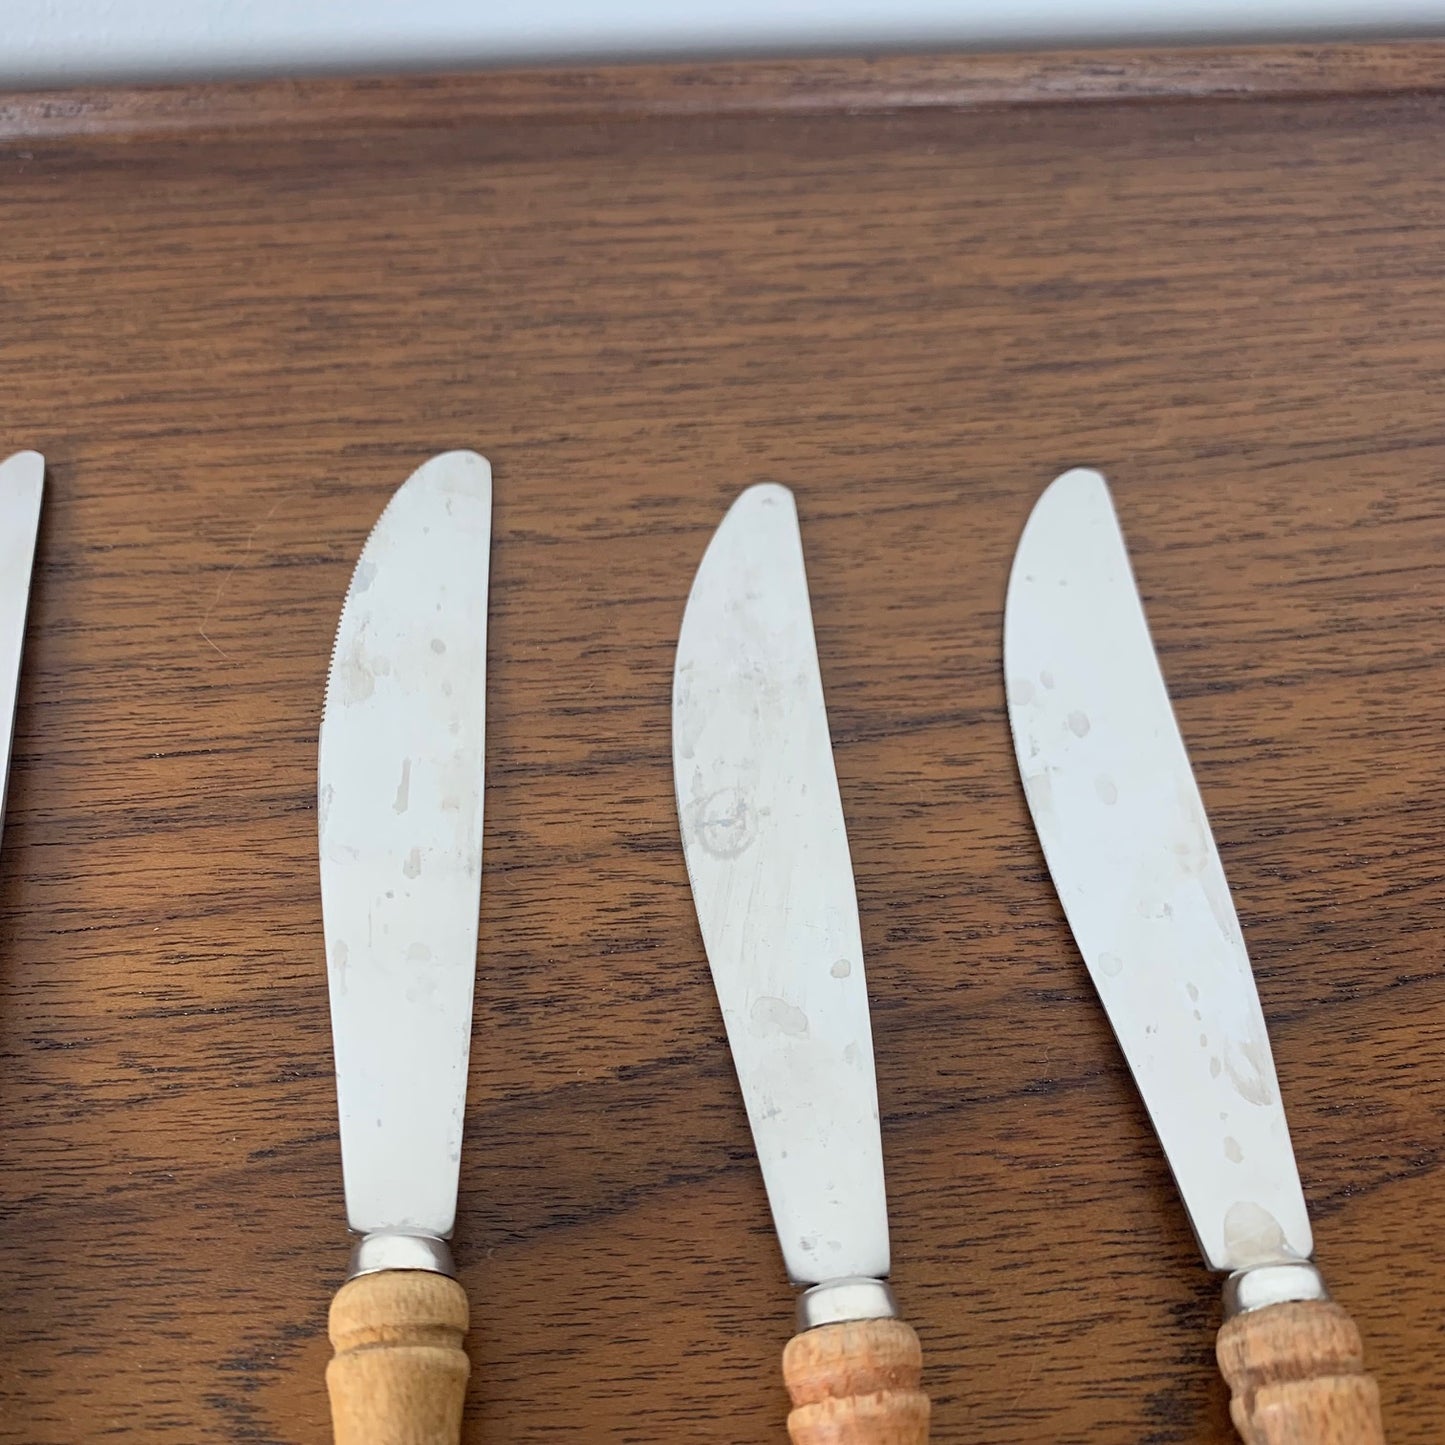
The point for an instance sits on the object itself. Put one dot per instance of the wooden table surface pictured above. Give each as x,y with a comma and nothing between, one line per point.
235,319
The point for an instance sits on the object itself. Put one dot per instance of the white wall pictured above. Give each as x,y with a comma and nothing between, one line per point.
66,41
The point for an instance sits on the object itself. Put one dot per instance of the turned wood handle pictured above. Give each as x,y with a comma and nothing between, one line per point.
856,1384
399,1374
1297,1376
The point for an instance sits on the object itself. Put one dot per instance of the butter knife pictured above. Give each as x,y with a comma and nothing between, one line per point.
1131,854
772,881
22,481
399,803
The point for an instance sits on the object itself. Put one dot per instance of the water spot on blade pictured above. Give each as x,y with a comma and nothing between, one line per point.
1020,691
412,866
403,788
722,823
438,646
1107,790
1252,1234
1193,991
328,793
1111,965
355,679
1215,1067
777,1016
1232,1151
1047,678
1039,789
851,1055
841,969
1079,723
688,721
1248,1067
1216,894
364,576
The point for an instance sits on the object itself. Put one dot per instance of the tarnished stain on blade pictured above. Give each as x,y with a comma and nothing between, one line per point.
767,855
400,792
22,484
1129,847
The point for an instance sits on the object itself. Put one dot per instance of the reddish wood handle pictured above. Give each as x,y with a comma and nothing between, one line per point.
399,1374
856,1384
1297,1377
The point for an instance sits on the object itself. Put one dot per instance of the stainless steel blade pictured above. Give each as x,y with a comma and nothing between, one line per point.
22,482
767,854
1129,846
400,777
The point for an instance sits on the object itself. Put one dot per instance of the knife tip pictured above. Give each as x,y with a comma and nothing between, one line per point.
461,471
1076,480
765,494
28,464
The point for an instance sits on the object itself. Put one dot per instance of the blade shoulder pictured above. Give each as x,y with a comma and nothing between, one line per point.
400,790
1129,846
772,879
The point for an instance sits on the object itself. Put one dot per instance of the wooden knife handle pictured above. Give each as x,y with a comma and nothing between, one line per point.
399,1374
1296,1373
856,1384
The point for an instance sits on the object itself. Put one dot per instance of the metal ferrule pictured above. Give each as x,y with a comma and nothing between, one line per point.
1272,1284
392,1249
839,1300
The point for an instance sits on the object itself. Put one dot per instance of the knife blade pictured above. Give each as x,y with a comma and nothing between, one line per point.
22,483
1128,845
399,803
772,880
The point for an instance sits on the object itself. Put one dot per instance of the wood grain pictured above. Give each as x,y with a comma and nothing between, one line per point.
232,351
802,85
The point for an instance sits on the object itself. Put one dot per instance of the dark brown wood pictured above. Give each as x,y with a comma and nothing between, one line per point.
789,87
232,352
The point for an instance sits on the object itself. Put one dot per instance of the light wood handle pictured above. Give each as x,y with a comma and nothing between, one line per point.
1297,1377
399,1374
856,1384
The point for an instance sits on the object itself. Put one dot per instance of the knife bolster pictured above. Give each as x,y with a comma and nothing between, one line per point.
854,1297
1296,1372
396,1249
856,1383
399,1373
